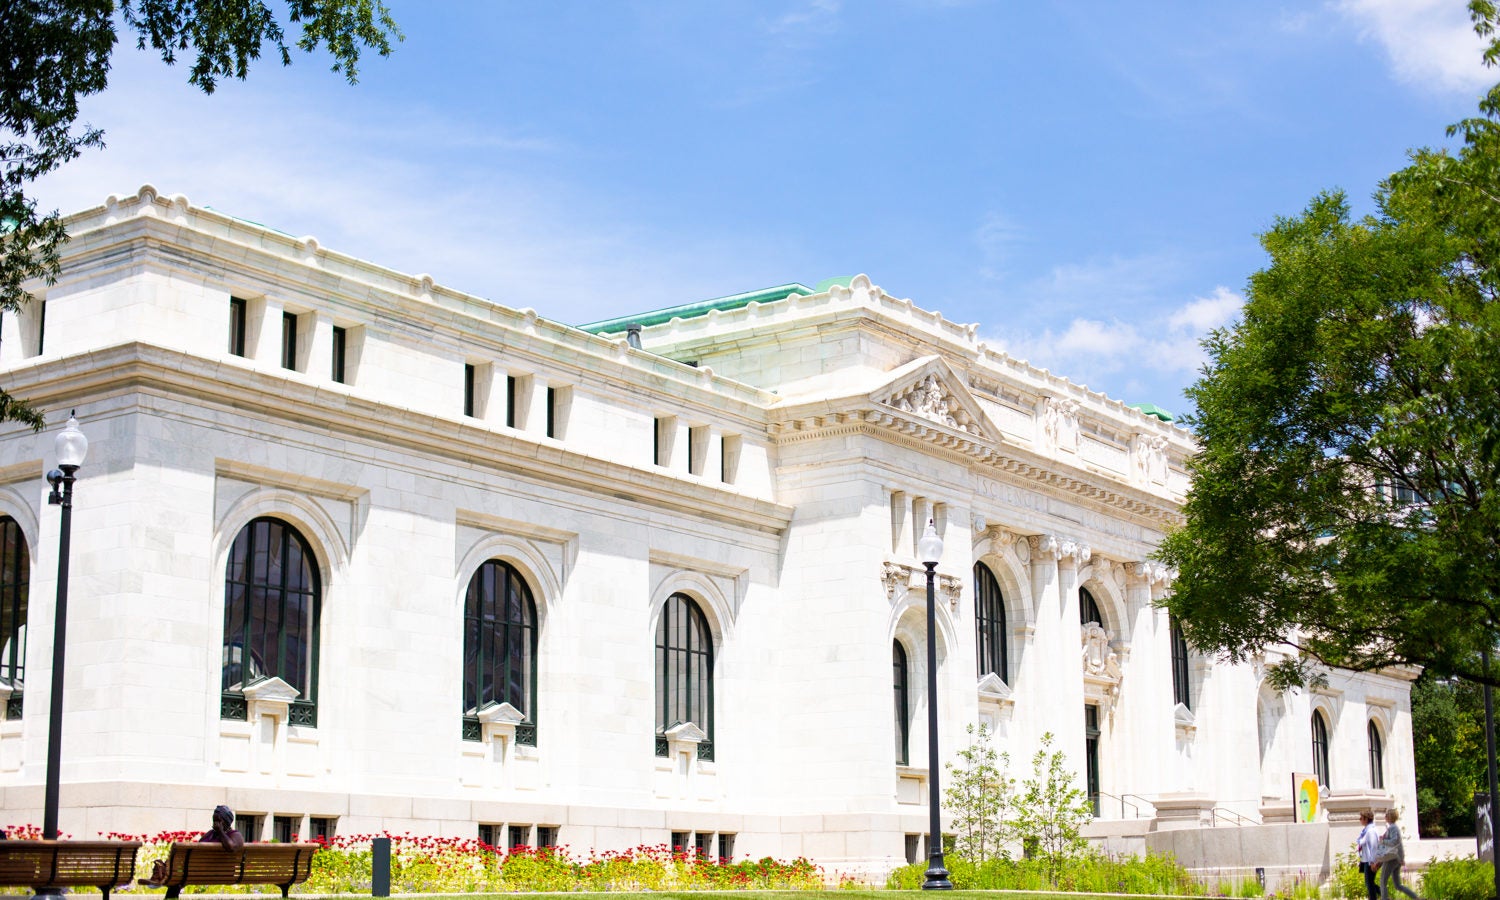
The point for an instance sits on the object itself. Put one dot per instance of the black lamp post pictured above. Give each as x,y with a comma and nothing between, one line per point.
930,550
72,447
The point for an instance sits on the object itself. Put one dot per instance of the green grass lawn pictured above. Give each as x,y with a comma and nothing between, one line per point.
830,894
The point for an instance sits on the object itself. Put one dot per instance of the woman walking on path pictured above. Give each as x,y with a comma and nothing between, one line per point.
1391,855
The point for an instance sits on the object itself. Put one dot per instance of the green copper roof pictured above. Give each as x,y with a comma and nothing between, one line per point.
1151,409
701,308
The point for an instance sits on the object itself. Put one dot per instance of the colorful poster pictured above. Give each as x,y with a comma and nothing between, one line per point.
1305,797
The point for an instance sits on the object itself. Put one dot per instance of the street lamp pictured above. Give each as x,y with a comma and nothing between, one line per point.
72,447
929,550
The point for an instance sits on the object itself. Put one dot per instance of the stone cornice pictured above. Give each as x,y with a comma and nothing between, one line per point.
793,426
152,370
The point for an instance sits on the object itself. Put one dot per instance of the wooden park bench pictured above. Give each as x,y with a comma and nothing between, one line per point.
44,865
210,864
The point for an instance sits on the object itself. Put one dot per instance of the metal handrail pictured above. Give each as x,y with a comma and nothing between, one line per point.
1134,809
1230,816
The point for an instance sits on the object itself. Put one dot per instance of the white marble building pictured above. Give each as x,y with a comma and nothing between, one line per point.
354,551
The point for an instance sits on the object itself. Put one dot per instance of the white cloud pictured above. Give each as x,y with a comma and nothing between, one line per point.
812,18
1135,357
1429,42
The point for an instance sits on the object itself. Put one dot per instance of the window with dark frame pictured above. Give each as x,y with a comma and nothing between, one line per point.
468,389
249,827
271,608
322,828
510,401
1091,755
900,687
684,671
546,836
41,327
500,638
237,323
1320,748
703,844
340,346
284,829
989,622
1377,756
726,847
288,340
517,836
680,841
487,834
1088,610
1181,686
551,412
15,594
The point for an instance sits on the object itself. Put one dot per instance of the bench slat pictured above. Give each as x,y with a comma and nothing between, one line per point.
59,864
210,864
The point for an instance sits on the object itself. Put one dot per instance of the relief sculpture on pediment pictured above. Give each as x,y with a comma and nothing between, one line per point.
928,399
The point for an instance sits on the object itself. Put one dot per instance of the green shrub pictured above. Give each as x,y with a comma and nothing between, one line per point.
1458,879
1092,873
1347,881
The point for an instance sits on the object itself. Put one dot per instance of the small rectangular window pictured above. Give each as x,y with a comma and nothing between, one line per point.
703,844
289,340
284,830
468,390
551,412
726,847
680,841
697,449
729,458
666,431
249,826
487,833
340,346
321,828
41,327
519,836
546,835
510,401
913,848
237,321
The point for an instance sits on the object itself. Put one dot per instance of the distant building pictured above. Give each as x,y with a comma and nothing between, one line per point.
353,551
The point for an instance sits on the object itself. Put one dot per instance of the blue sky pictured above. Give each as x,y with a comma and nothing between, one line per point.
1085,181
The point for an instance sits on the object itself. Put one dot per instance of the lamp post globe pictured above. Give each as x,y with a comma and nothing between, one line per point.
72,448
929,551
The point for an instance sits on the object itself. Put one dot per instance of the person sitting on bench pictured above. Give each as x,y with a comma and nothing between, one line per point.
223,833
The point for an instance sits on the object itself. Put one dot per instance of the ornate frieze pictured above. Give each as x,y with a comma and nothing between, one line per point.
1058,547
1060,423
1151,458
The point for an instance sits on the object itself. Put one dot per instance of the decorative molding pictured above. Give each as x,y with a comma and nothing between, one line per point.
952,587
1150,572
995,691
1150,453
1186,722
895,576
1102,674
269,697
1060,548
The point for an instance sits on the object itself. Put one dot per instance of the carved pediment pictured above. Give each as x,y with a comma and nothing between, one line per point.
928,389
995,690
686,733
1186,722
501,714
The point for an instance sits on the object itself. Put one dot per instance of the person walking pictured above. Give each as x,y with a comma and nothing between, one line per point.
1391,854
1367,846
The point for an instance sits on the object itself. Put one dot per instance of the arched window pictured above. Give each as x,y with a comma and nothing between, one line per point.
15,578
684,672
271,609
499,648
1088,610
1377,757
1320,747
903,704
989,620
1181,687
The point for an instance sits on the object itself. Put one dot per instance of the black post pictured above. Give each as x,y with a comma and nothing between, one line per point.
380,867
936,877
62,495
1489,747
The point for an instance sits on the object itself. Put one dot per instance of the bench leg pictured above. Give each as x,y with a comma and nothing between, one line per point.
174,892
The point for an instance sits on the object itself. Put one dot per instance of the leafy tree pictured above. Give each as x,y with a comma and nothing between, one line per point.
981,799
1344,500
56,52
1447,723
1052,812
